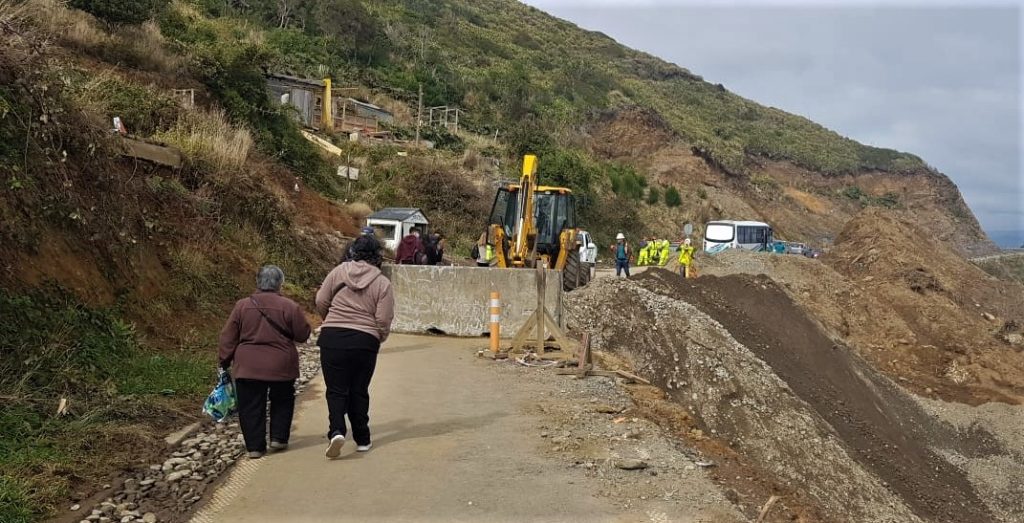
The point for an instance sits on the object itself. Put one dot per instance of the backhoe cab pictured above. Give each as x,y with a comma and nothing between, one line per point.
531,224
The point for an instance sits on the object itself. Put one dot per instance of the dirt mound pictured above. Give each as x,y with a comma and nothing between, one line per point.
629,132
781,392
957,313
735,396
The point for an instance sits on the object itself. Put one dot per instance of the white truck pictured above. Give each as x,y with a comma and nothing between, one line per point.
588,251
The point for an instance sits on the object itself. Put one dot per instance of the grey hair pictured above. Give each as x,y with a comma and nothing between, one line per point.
270,278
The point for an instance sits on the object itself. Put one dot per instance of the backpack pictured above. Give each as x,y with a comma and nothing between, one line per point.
433,254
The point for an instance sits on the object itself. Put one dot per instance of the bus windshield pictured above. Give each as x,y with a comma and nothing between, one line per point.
719,232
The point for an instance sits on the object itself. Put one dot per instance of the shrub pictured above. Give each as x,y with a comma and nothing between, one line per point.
626,182
653,196
702,193
672,197
359,210
443,139
854,193
122,11
889,200
143,110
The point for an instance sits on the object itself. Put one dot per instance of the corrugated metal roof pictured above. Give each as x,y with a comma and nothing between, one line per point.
296,79
395,213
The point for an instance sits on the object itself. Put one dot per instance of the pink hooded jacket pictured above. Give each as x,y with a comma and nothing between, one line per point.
366,303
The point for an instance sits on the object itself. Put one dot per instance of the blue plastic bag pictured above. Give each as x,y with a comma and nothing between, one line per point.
222,401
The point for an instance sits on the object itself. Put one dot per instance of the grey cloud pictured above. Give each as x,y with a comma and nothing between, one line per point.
942,83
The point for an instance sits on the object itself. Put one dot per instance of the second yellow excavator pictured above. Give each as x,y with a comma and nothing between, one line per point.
532,224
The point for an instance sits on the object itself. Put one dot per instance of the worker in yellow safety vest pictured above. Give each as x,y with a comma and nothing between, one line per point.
645,250
685,258
483,252
665,252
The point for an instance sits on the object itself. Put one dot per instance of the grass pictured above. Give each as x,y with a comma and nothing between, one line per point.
208,138
57,348
1009,268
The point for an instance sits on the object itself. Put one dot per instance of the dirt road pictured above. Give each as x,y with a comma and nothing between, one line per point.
456,438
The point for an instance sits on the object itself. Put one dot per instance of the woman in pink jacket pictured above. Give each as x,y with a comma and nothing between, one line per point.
358,305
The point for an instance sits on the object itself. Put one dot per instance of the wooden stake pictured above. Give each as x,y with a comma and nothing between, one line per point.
419,116
541,284
586,358
766,508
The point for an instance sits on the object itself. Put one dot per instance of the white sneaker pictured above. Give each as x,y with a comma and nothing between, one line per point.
364,448
334,449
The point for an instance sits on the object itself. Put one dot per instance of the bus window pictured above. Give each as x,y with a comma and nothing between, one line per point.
753,235
746,235
719,233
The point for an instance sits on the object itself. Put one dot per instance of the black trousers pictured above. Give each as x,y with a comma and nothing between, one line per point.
347,373
252,411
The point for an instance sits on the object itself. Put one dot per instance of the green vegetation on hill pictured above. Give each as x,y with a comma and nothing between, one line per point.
54,348
507,63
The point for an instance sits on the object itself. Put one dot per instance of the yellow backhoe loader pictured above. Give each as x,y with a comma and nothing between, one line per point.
532,224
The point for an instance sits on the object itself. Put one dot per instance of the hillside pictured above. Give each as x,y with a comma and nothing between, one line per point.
592,109
117,272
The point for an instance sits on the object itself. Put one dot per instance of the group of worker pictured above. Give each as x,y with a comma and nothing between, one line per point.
652,252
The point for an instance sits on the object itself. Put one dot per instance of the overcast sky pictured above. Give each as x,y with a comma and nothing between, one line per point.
940,82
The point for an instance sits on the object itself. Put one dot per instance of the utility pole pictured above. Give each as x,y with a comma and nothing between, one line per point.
419,116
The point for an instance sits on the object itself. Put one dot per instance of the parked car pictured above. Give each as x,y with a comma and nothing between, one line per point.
796,248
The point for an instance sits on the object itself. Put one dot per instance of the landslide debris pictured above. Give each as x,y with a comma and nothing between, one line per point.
764,377
914,308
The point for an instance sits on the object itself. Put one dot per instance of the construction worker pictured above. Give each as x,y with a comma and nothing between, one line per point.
685,258
644,244
622,254
666,248
483,252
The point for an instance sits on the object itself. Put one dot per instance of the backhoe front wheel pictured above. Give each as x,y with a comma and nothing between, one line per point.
576,273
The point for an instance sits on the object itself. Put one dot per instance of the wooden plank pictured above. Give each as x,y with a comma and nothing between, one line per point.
766,508
519,341
158,154
540,312
631,376
585,357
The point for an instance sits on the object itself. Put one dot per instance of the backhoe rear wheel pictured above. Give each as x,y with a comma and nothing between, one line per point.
576,273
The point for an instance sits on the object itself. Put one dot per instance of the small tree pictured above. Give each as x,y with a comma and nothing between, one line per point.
653,196
672,197
121,11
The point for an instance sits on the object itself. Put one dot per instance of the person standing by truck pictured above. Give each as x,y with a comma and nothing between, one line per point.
623,255
685,258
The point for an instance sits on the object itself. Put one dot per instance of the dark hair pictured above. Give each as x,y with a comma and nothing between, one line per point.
367,249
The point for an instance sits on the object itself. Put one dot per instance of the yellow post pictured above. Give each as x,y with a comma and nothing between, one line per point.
495,321
327,112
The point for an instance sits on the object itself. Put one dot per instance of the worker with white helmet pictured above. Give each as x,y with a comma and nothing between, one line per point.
623,255
685,258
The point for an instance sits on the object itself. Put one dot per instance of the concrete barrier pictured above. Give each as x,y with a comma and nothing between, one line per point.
454,300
